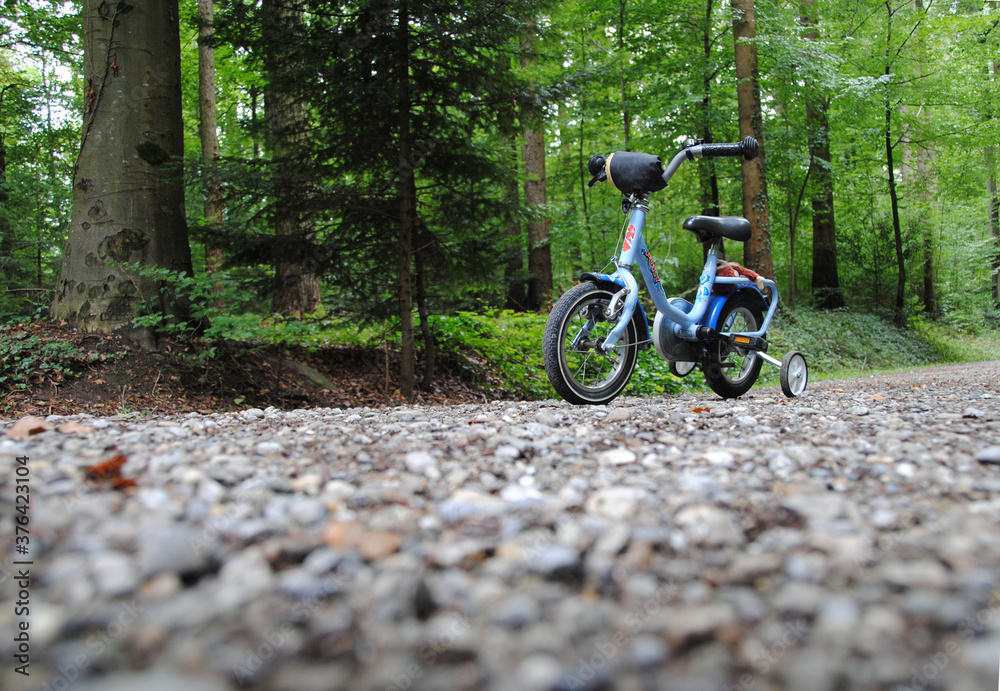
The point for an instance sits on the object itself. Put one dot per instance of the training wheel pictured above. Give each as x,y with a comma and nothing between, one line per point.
681,369
794,374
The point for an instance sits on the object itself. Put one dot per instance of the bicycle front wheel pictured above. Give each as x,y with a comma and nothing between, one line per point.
729,369
578,368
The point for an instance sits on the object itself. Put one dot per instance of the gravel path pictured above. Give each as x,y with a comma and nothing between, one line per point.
846,540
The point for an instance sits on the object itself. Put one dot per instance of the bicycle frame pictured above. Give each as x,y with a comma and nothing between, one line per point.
685,324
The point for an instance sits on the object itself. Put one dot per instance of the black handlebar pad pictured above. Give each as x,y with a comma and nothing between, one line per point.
748,149
635,173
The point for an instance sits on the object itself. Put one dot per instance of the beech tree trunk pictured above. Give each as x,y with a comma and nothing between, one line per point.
128,191
756,250
208,125
297,289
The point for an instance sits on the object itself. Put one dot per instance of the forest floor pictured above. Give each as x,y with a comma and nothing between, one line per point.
69,371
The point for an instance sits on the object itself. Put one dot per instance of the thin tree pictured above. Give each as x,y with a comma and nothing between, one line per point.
707,174
825,272
535,194
407,206
890,57
993,198
208,126
756,250
128,192
626,118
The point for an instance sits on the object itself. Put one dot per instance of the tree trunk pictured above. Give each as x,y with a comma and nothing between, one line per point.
208,128
825,272
128,191
582,158
708,178
6,231
993,200
407,212
422,309
894,203
626,119
893,196
533,155
756,250
994,215
297,289
925,182
706,170
919,173
514,238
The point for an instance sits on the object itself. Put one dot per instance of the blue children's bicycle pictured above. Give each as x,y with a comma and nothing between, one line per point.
596,329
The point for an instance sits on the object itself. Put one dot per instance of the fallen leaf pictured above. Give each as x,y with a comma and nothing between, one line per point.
111,471
699,409
879,397
373,544
74,427
28,426
98,381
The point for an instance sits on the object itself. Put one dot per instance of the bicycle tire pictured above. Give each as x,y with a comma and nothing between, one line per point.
743,312
585,375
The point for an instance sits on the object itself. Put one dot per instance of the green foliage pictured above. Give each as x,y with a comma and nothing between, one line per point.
848,343
219,312
951,344
509,344
212,305
27,359
506,342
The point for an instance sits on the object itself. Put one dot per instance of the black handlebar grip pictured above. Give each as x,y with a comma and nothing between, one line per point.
720,150
596,167
748,149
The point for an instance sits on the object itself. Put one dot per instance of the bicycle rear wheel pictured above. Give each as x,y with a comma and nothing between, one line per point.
729,369
579,370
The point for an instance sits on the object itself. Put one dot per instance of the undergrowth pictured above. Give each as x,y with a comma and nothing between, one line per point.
512,344
505,348
26,360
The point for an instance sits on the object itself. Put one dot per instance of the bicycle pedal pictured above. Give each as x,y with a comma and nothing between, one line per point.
749,342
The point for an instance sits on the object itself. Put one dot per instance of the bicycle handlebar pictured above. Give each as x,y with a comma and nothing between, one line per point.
748,149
